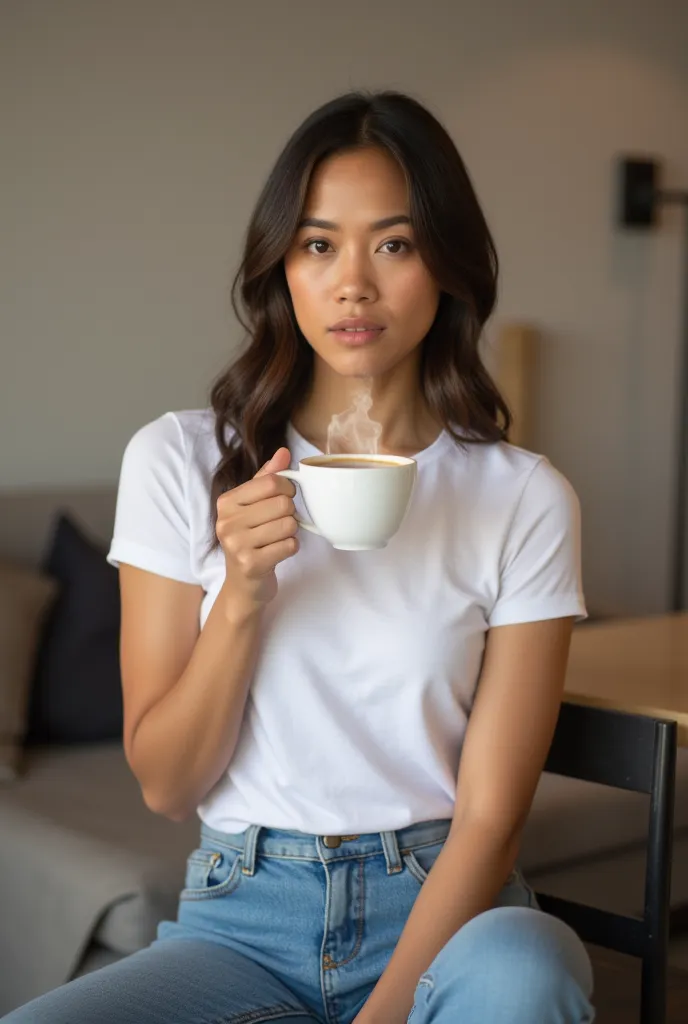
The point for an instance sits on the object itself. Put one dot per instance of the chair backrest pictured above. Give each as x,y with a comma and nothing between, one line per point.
638,753
609,747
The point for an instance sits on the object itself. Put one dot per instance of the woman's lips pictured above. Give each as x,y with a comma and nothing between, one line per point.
354,331
355,337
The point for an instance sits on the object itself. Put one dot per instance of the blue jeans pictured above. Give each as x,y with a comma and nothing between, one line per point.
277,926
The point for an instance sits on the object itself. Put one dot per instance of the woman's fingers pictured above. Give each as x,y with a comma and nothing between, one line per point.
270,533
250,516
256,525
258,489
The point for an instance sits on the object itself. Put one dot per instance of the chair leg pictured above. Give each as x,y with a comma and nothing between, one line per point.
658,876
653,988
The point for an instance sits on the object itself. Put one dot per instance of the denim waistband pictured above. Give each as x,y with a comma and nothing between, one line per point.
258,840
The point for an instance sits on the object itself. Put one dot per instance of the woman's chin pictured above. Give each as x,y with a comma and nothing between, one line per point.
359,363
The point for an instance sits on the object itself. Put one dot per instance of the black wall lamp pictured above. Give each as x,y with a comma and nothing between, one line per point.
640,199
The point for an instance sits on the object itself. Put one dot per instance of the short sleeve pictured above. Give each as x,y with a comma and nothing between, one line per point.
540,573
152,520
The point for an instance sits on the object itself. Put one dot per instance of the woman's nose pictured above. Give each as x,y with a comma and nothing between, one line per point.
356,282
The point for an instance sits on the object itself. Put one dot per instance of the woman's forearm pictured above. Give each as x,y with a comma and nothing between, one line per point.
463,882
184,743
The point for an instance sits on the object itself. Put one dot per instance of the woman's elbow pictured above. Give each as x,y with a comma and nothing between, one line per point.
166,807
160,800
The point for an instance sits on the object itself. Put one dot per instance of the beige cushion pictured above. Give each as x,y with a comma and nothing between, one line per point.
571,820
24,598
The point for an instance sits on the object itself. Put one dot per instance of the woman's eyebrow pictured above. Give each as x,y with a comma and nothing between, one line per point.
378,225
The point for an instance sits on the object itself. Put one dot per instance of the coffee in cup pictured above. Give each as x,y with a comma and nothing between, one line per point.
357,462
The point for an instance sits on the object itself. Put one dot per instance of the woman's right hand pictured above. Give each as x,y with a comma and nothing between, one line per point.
257,529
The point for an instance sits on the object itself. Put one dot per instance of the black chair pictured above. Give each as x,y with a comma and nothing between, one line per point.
638,753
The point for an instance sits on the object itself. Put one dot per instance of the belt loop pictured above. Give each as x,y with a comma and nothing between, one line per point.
250,844
391,847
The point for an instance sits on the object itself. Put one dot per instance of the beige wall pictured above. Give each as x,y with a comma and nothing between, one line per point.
136,135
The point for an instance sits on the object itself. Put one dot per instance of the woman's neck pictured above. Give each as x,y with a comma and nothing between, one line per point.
398,407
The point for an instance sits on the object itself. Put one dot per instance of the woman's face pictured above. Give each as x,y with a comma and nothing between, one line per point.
362,295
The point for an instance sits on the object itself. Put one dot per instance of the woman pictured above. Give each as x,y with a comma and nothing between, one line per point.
361,733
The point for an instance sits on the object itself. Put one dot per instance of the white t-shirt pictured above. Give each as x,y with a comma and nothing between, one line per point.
369,660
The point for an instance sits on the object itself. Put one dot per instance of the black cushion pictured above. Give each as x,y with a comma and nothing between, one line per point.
76,695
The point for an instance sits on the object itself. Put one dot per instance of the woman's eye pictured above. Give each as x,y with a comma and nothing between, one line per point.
395,246
318,246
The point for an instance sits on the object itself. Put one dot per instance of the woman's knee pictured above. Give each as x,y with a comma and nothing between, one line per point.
515,954
517,939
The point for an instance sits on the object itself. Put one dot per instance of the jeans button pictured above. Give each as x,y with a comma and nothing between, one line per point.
332,842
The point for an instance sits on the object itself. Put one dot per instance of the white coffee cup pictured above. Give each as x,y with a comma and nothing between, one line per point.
356,502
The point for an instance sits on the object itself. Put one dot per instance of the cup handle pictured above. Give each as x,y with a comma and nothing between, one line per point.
293,474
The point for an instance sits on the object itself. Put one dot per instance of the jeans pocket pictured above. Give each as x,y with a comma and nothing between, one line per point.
420,859
211,873
516,892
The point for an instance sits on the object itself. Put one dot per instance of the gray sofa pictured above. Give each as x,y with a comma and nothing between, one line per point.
87,871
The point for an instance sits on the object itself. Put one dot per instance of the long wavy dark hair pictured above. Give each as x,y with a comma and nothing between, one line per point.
258,393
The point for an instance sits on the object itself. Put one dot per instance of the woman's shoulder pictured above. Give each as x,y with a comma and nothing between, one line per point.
162,500
175,438
514,476
501,461
179,424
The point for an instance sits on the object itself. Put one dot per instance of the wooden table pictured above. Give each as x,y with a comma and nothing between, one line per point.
636,665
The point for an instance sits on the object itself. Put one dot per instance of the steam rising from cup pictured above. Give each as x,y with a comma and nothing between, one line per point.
353,432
